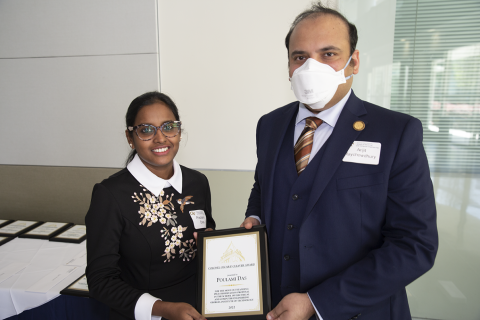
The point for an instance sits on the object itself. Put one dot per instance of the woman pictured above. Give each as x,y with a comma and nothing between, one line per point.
141,221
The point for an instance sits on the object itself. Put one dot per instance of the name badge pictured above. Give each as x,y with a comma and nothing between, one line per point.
364,152
199,219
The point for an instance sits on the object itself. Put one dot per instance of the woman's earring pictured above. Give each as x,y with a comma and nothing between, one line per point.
180,138
131,146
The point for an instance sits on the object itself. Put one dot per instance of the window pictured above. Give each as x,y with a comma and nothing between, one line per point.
436,78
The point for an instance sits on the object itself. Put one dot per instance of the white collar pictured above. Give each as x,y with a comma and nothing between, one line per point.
150,181
329,116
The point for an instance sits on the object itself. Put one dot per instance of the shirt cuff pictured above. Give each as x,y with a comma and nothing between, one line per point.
319,317
144,306
256,217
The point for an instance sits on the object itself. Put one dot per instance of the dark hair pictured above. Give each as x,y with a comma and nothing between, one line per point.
139,102
317,10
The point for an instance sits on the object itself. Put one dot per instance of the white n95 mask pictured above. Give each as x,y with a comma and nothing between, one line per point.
315,83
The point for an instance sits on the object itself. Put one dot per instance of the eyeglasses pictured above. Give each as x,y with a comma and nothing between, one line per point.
147,131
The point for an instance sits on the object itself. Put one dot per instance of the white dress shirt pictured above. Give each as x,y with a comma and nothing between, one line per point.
155,184
323,132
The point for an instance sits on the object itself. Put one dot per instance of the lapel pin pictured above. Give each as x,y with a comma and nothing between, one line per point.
359,125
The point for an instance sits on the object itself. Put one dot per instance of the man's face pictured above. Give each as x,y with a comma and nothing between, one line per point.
325,39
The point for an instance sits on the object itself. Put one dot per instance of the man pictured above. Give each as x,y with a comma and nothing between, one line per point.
351,216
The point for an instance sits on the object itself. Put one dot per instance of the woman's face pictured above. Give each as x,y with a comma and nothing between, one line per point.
157,153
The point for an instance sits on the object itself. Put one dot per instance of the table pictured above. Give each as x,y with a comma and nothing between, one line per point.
66,307
41,257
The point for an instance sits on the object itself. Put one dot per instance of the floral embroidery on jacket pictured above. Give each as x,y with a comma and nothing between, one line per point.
153,210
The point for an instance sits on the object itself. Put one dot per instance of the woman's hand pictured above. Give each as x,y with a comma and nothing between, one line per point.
195,234
175,311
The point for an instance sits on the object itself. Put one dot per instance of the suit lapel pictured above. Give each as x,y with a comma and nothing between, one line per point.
336,147
280,128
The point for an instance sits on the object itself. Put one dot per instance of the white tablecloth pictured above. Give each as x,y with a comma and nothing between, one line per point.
43,257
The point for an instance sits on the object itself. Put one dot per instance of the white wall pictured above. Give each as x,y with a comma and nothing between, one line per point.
225,65
68,71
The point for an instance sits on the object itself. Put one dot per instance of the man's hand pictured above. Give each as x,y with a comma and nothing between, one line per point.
176,311
295,306
248,223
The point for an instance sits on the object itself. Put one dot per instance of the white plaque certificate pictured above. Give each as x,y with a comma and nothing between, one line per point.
46,229
4,222
4,240
232,272
78,288
80,284
75,234
17,227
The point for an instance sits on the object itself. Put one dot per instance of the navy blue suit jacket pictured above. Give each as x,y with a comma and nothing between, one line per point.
368,230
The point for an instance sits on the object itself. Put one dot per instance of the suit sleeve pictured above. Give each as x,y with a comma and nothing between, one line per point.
104,228
254,207
409,234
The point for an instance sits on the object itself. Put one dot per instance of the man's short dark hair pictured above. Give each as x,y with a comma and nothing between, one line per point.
317,10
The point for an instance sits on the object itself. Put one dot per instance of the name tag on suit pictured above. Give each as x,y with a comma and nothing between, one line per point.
364,152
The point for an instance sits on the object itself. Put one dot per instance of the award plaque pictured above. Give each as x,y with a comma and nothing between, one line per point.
78,288
75,234
46,230
5,222
18,227
233,278
4,240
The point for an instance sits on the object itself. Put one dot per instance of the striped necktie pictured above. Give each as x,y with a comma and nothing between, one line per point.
303,147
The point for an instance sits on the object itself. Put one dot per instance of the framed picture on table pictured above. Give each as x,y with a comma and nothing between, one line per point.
46,230
4,240
18,227
77,288
75,234
5,222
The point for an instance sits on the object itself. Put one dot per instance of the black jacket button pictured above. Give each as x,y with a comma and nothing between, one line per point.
295,197
290,227
286,257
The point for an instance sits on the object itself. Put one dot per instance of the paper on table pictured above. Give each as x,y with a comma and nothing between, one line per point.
52,279
11,269
79,260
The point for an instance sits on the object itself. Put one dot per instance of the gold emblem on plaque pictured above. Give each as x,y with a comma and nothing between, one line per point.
359,125
232,254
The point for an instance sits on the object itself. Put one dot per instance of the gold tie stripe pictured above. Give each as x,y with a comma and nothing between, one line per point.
303,147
